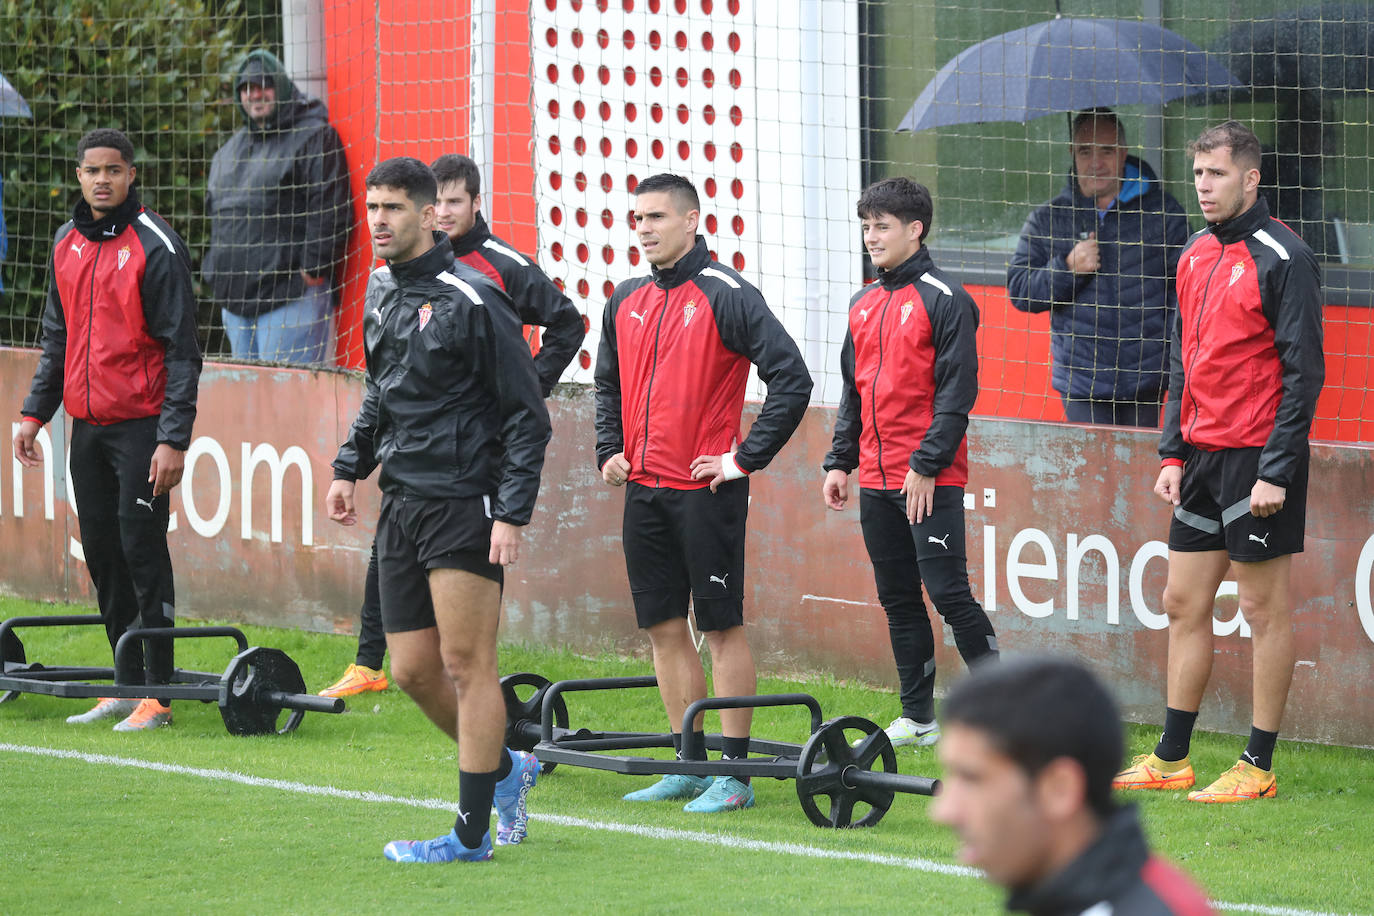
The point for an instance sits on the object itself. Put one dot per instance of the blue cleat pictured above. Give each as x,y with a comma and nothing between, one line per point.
726,794
446,848
511,816
672,787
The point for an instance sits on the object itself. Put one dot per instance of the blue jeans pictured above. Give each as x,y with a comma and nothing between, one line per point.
1113,413
298,332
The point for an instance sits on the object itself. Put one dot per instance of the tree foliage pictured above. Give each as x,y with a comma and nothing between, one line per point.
157,69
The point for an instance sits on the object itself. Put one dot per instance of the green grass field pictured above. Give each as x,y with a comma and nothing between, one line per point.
192,819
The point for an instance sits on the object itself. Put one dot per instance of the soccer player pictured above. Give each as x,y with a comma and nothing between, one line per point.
120,354
910,370
670,377
453,415
1247,369
536,301
1029,750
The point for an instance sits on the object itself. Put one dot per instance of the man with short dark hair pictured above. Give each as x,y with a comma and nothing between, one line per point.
536,301
910,370
670,378
279,208
453,416
1029,749
1247,370
1100,258
120,355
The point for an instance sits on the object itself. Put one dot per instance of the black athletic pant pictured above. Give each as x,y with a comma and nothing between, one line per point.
904,556
124,536
371,637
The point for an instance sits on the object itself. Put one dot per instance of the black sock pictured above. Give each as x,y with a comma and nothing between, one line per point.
735,749
699,742
677,745
506,765
1178,734
476,791
1260,749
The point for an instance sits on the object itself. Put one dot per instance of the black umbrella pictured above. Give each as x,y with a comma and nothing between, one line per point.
1325,47
1301,60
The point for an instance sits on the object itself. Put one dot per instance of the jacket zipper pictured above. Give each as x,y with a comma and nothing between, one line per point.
1197,335
90,322
873,405
649,392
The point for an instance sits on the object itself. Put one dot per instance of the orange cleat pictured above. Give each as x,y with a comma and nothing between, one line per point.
149,715
357,679
1149,772
1243,782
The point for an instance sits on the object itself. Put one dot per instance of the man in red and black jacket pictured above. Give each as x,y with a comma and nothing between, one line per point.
910,370
1247,369
120,354
670,379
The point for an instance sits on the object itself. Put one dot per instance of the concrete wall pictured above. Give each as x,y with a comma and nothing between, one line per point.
1064,542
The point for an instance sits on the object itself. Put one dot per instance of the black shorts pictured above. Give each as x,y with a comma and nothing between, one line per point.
1214,511
687,543
417,535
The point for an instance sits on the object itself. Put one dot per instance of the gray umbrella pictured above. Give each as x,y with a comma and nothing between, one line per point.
1065,65
12,104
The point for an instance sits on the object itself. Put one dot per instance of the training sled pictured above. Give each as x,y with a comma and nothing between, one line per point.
846,773
253,691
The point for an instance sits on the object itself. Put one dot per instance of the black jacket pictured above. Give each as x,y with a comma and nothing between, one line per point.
537,301
452,407
278,201
1109,330
1118,870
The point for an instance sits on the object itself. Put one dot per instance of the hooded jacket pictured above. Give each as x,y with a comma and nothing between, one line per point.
910,370
452,406
277,198
119,330
1116,875
537,301
1109,330
1248,363
672,368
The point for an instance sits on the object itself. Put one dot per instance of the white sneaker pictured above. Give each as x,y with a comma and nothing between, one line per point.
904,731
107,708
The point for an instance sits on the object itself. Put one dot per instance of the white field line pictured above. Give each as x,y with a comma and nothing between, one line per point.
656,833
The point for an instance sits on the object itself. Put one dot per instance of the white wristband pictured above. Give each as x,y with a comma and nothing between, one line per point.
730,469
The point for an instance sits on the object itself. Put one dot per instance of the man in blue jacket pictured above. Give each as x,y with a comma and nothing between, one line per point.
1100,258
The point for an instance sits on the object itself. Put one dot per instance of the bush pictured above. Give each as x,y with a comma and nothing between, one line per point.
156,69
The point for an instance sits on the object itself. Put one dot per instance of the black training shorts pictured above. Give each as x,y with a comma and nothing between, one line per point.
1214,513
681,543
417,535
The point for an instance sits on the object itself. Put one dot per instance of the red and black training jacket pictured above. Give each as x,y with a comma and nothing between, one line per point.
1247,362
119,330
672,368
1116,874
910,371
536,299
